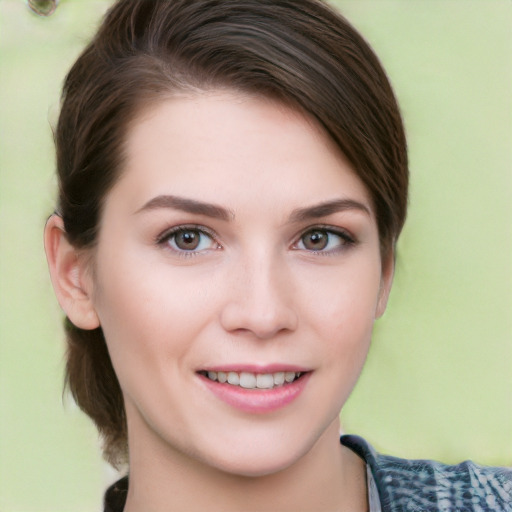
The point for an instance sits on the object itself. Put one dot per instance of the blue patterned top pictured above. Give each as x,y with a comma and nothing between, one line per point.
428,486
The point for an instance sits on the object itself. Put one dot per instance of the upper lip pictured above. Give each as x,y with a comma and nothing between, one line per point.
255,368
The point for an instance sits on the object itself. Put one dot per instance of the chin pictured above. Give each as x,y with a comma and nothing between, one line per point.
259,456
252,467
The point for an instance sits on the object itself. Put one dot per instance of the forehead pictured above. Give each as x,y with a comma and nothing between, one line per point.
232,148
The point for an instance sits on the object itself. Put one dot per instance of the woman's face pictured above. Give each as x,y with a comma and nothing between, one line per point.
238,244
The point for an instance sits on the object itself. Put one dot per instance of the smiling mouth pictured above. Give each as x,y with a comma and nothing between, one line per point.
248,380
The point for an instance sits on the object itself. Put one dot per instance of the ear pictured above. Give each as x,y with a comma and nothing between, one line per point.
70,279
386,280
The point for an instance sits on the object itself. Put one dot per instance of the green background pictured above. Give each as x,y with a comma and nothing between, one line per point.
438,383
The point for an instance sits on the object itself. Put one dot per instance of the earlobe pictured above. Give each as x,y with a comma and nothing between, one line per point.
69,277
388,270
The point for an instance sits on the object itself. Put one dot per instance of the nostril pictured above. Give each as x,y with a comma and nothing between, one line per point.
259,319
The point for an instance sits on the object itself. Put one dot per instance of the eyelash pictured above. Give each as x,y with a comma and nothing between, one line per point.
164,238
346,240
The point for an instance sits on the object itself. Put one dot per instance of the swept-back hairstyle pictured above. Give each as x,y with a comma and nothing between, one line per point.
299,52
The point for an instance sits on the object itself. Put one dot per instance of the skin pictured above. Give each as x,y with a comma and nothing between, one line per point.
255,291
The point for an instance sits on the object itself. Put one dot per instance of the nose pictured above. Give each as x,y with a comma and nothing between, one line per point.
260,300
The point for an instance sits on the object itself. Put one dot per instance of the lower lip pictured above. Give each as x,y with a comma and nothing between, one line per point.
257,400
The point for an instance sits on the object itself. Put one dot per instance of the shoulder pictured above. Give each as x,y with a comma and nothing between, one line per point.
425,485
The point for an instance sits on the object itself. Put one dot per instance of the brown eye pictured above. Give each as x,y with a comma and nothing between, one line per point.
188,240
323,240
316,240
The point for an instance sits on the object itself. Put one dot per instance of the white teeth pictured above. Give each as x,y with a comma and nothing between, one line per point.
250,380
265,381
247,380
233,378
278,379
289,376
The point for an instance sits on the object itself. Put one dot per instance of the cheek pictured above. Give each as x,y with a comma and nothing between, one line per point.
344,326
343,321
149,319
148,296
345,310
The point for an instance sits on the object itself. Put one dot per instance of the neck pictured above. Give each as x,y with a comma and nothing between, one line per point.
328,477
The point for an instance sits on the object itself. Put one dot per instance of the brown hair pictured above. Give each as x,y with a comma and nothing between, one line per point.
299,52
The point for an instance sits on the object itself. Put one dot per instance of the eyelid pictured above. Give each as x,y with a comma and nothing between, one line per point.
165,235
344,233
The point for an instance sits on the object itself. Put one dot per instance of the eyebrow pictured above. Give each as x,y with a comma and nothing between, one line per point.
187,205
218,212
327,208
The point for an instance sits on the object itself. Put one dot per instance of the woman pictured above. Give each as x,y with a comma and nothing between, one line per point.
233,180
